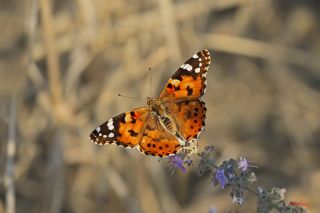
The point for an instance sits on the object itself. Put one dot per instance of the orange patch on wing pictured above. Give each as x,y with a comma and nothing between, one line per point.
188,82
138,126
180,93
159,147
125,136
129,131
170,90
180,88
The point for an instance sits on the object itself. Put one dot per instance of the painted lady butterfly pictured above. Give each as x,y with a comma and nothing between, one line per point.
167,123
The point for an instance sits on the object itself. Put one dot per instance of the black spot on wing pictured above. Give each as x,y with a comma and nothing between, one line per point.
190,90
179,78
121,117
132,133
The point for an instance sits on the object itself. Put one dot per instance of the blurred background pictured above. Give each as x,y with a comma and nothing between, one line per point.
63,62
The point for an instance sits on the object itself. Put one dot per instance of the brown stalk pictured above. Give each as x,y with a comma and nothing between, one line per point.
52,57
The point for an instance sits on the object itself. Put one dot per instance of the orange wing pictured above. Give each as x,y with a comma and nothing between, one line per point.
124,129
189,81
156,140
189,117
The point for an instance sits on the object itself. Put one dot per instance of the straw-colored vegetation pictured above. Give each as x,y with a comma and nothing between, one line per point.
62,64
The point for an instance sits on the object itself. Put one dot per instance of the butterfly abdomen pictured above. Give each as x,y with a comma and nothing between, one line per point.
168,124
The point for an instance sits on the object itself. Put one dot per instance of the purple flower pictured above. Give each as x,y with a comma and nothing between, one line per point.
221,178
176,161
243,164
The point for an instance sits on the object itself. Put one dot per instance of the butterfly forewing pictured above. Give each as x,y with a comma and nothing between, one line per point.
190,79
124,129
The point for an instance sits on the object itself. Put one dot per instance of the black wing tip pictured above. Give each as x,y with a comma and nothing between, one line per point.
94,138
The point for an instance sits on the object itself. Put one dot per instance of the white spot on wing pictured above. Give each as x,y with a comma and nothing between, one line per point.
110,125
186,67
195,56
128,118
197,70
98,129
111,134
175,82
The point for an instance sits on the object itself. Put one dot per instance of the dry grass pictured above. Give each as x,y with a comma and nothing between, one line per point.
64,63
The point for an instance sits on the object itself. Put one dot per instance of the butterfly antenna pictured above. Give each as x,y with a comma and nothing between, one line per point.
124,96
150,81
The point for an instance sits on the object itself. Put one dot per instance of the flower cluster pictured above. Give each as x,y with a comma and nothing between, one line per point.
237,176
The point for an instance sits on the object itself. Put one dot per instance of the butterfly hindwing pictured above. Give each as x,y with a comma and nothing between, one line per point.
124,129
189,116
156,140
189,81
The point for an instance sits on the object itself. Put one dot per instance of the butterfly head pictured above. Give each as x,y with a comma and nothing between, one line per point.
155,105
150,100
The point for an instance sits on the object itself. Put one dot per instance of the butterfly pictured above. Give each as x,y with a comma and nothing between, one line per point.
167,123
